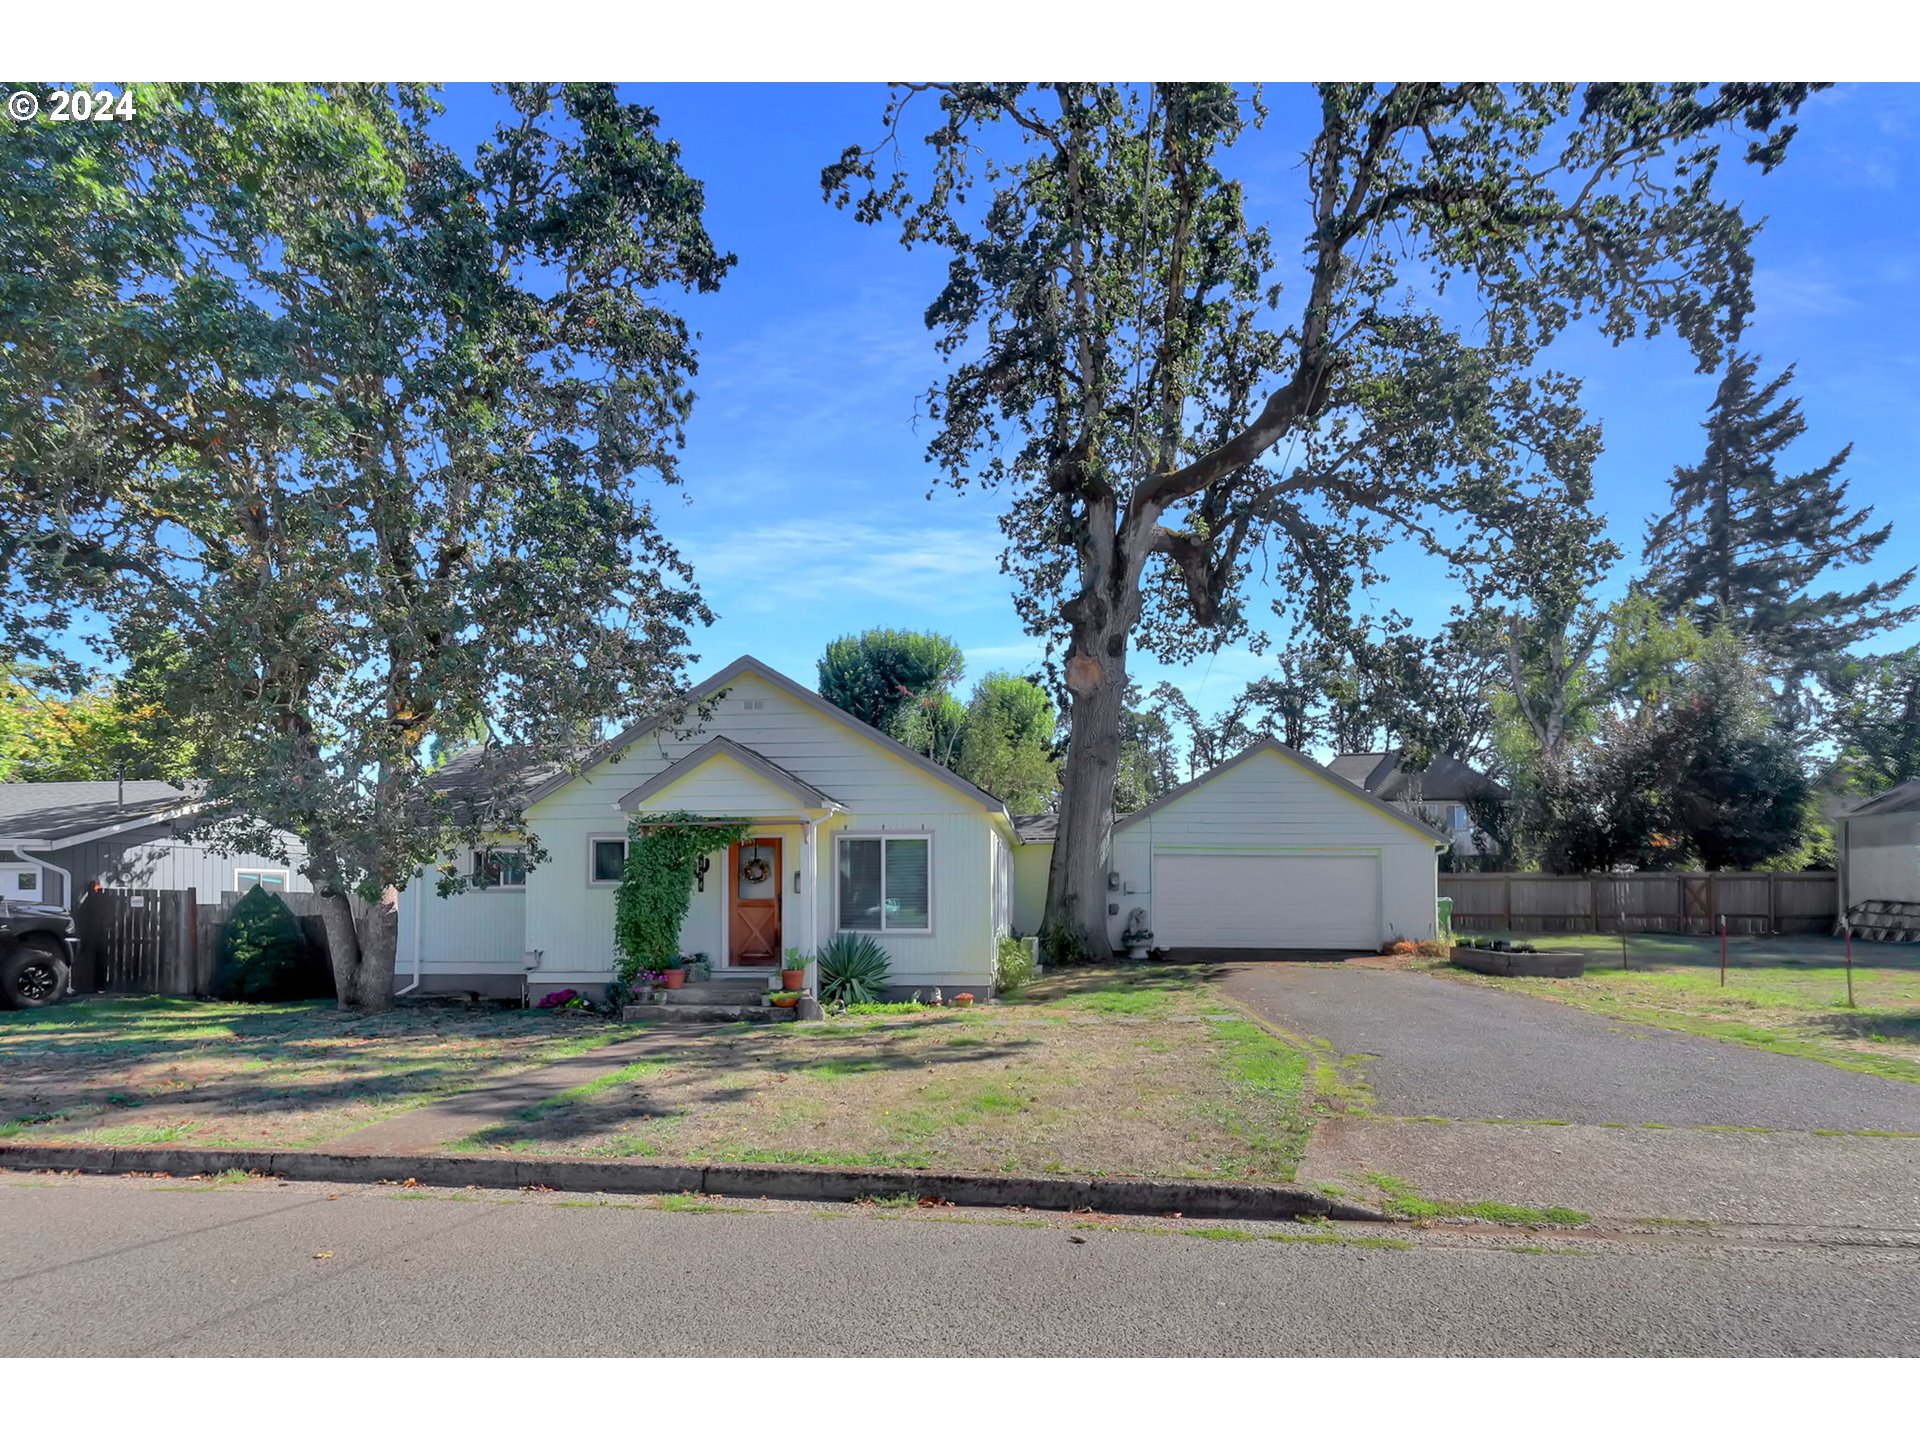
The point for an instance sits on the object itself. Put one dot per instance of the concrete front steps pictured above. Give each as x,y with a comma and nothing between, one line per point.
714,1002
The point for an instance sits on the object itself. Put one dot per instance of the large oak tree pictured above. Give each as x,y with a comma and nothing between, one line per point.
1170,397
358,418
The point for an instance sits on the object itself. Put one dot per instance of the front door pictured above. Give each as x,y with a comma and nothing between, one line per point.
753,916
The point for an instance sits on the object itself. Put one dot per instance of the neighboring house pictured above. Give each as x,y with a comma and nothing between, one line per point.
1879,850
59,837
852,831
1437,794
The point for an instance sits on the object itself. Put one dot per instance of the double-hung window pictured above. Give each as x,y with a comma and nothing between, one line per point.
885,882
606,859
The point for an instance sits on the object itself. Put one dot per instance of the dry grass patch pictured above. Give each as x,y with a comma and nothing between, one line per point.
1106,1072
155,1071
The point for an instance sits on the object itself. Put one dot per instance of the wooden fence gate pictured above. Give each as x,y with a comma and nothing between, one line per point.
140,942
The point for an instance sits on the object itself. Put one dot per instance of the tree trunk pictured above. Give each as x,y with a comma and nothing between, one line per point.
1077,874
362,949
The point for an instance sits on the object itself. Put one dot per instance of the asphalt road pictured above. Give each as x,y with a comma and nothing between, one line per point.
98,1266
1463,1051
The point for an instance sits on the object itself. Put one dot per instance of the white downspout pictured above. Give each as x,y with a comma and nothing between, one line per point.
810,862
418,905
66,876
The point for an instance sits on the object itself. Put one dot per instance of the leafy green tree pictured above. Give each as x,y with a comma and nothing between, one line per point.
899,681
360,419
1873,717
1744,545
1164,392
1007,749
1147,762
117,727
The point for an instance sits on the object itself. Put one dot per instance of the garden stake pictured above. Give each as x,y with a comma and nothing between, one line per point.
1723,952
1847,930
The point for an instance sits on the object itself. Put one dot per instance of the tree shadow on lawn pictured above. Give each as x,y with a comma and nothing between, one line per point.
1078,983
1902,1026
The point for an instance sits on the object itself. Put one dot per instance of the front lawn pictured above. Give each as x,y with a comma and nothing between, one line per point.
152,1071
1136,1072
1785,993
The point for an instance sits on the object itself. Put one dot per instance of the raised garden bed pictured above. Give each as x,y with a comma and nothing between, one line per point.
1501,958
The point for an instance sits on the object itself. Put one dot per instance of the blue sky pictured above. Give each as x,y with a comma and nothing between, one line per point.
806,509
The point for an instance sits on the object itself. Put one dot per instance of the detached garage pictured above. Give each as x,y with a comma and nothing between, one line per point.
1272,851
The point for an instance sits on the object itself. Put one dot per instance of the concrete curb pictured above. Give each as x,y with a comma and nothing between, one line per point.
1201,1199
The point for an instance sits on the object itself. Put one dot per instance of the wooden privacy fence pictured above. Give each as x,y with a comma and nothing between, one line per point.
1753,902
163,942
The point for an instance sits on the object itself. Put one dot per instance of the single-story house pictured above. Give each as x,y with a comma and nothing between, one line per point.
853,831
1879,852
1438,792
59,837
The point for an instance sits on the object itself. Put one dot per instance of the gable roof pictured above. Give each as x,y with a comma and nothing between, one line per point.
1446,777
1899,800
1305,762
1037,829
747,665
721,747
64,812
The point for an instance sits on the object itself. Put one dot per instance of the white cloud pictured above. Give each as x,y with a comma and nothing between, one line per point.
770,569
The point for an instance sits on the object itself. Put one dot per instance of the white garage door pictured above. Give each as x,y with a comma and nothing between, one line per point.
1266,902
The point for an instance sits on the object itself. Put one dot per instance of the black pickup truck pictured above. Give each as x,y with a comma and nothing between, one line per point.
37,944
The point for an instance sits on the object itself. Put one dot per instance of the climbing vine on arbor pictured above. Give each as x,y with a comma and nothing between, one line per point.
656,887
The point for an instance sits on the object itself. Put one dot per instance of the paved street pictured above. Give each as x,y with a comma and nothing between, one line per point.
104,1266
1616,1119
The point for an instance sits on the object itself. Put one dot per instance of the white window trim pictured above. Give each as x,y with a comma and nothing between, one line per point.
883,836
480,850
593,840
286,877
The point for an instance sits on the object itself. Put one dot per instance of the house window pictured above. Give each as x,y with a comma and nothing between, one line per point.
606,859
499,869
1459,817
886,882
245,880
27,882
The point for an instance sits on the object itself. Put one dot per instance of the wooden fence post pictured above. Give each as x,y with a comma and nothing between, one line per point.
1506,890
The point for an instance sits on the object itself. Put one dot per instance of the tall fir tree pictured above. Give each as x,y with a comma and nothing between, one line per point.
1744,544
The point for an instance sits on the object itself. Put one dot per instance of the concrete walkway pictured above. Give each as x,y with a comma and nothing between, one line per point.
432,1126
1477,1094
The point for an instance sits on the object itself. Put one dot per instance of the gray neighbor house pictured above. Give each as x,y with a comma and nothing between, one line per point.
1439,794
60,838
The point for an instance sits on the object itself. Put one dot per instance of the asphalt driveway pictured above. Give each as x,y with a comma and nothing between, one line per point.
1620,1112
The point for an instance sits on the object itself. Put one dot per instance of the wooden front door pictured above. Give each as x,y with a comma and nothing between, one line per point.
753,903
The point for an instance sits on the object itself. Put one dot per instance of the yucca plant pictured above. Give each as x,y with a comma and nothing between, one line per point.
853,970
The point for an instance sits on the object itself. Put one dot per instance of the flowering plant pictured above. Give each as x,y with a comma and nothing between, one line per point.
561,1000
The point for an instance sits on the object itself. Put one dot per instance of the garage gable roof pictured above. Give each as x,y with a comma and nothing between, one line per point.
1901,799
1305,762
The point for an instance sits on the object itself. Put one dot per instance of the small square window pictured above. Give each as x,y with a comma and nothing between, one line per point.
244,880
608,859
499,870
29,882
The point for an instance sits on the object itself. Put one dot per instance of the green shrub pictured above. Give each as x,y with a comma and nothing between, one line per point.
854,969
263,953
1012,966
1064,945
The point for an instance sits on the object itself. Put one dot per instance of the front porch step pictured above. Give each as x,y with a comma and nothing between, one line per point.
715,992
694,1014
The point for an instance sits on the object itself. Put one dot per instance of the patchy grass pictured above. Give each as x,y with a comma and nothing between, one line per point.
1074,1078
1784,993
268,1076
1397,1197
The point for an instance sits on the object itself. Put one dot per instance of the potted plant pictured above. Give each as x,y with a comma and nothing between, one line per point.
699,967
963,999
793,975
1136,937
676,976
784,999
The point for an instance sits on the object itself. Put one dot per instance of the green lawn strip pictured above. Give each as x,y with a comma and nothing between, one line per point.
1398,1197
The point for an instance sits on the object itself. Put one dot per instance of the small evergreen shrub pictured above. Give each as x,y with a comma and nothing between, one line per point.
263,953
1012,965
854,969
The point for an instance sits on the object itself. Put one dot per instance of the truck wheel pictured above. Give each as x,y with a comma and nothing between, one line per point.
34,975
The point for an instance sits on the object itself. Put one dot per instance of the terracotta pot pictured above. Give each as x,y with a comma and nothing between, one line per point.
673,979
793,979
963,1001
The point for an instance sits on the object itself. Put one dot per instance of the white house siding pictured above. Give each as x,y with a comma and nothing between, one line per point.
475,940
1883,858
1030,864
571,922
1269,804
